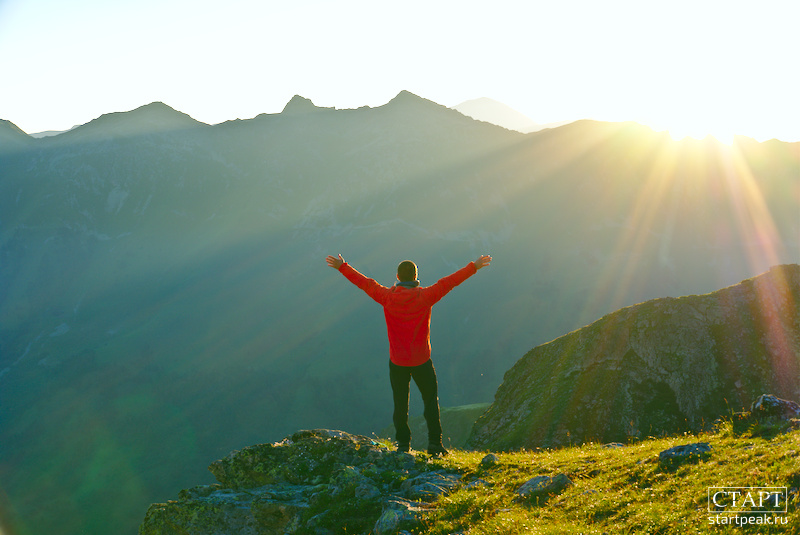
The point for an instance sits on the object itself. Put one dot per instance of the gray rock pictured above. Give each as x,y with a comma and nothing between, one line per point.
476,483
489,460
404,460
543,487
769,405
269,488
685,453
346,479
254,511
430,485
399,514
367,491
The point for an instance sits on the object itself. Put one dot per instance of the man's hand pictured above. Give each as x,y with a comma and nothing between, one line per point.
335,262
483,261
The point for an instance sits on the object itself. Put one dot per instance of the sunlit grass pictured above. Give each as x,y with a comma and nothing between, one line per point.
618,490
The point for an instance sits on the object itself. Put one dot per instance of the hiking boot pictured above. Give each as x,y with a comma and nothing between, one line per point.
436,450
403,448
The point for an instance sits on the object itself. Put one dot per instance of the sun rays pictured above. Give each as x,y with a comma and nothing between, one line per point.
695,199
678,208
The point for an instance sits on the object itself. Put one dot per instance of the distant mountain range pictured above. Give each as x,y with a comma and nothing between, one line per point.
164,287
491,111
481,109
49,133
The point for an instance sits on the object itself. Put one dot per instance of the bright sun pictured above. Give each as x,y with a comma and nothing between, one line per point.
699,132
699,115
698,123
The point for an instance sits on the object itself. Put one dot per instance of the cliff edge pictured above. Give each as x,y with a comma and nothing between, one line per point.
317,481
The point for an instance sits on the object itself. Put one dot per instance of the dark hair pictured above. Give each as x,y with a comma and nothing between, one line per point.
407,271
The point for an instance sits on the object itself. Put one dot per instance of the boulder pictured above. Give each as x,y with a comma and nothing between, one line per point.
398,514
431,485
543,487
769,405
685,453
489,460
256,511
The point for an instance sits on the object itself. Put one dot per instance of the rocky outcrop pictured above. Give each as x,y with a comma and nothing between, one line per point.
769,405
663,366
318,481
678,455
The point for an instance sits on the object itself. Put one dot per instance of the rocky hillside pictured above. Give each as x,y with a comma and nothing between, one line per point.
662,366
326,482
318,481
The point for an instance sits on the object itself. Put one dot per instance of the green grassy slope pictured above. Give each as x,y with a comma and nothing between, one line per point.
622,489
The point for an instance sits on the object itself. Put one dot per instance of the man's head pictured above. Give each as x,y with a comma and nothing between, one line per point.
407,271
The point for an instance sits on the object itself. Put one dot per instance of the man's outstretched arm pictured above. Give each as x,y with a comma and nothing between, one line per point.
371,287
443,286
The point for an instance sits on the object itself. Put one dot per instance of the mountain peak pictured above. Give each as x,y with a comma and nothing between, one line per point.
406,98
155,117
12,136
8,126
157,112
299,105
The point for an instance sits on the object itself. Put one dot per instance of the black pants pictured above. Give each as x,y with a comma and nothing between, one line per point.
425,377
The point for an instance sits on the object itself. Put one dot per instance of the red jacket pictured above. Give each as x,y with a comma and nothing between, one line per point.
408,312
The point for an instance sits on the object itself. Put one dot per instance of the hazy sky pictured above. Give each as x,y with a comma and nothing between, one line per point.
696,66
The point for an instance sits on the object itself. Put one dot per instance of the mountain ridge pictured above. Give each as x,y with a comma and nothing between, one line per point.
153,118
176,119
656,368
12,137
492,111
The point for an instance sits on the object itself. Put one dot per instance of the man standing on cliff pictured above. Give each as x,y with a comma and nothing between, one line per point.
407,308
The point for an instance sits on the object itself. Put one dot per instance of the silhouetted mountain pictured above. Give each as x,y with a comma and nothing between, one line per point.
164,286
660,367
50,133
152,118
300,104
12,138
491,111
